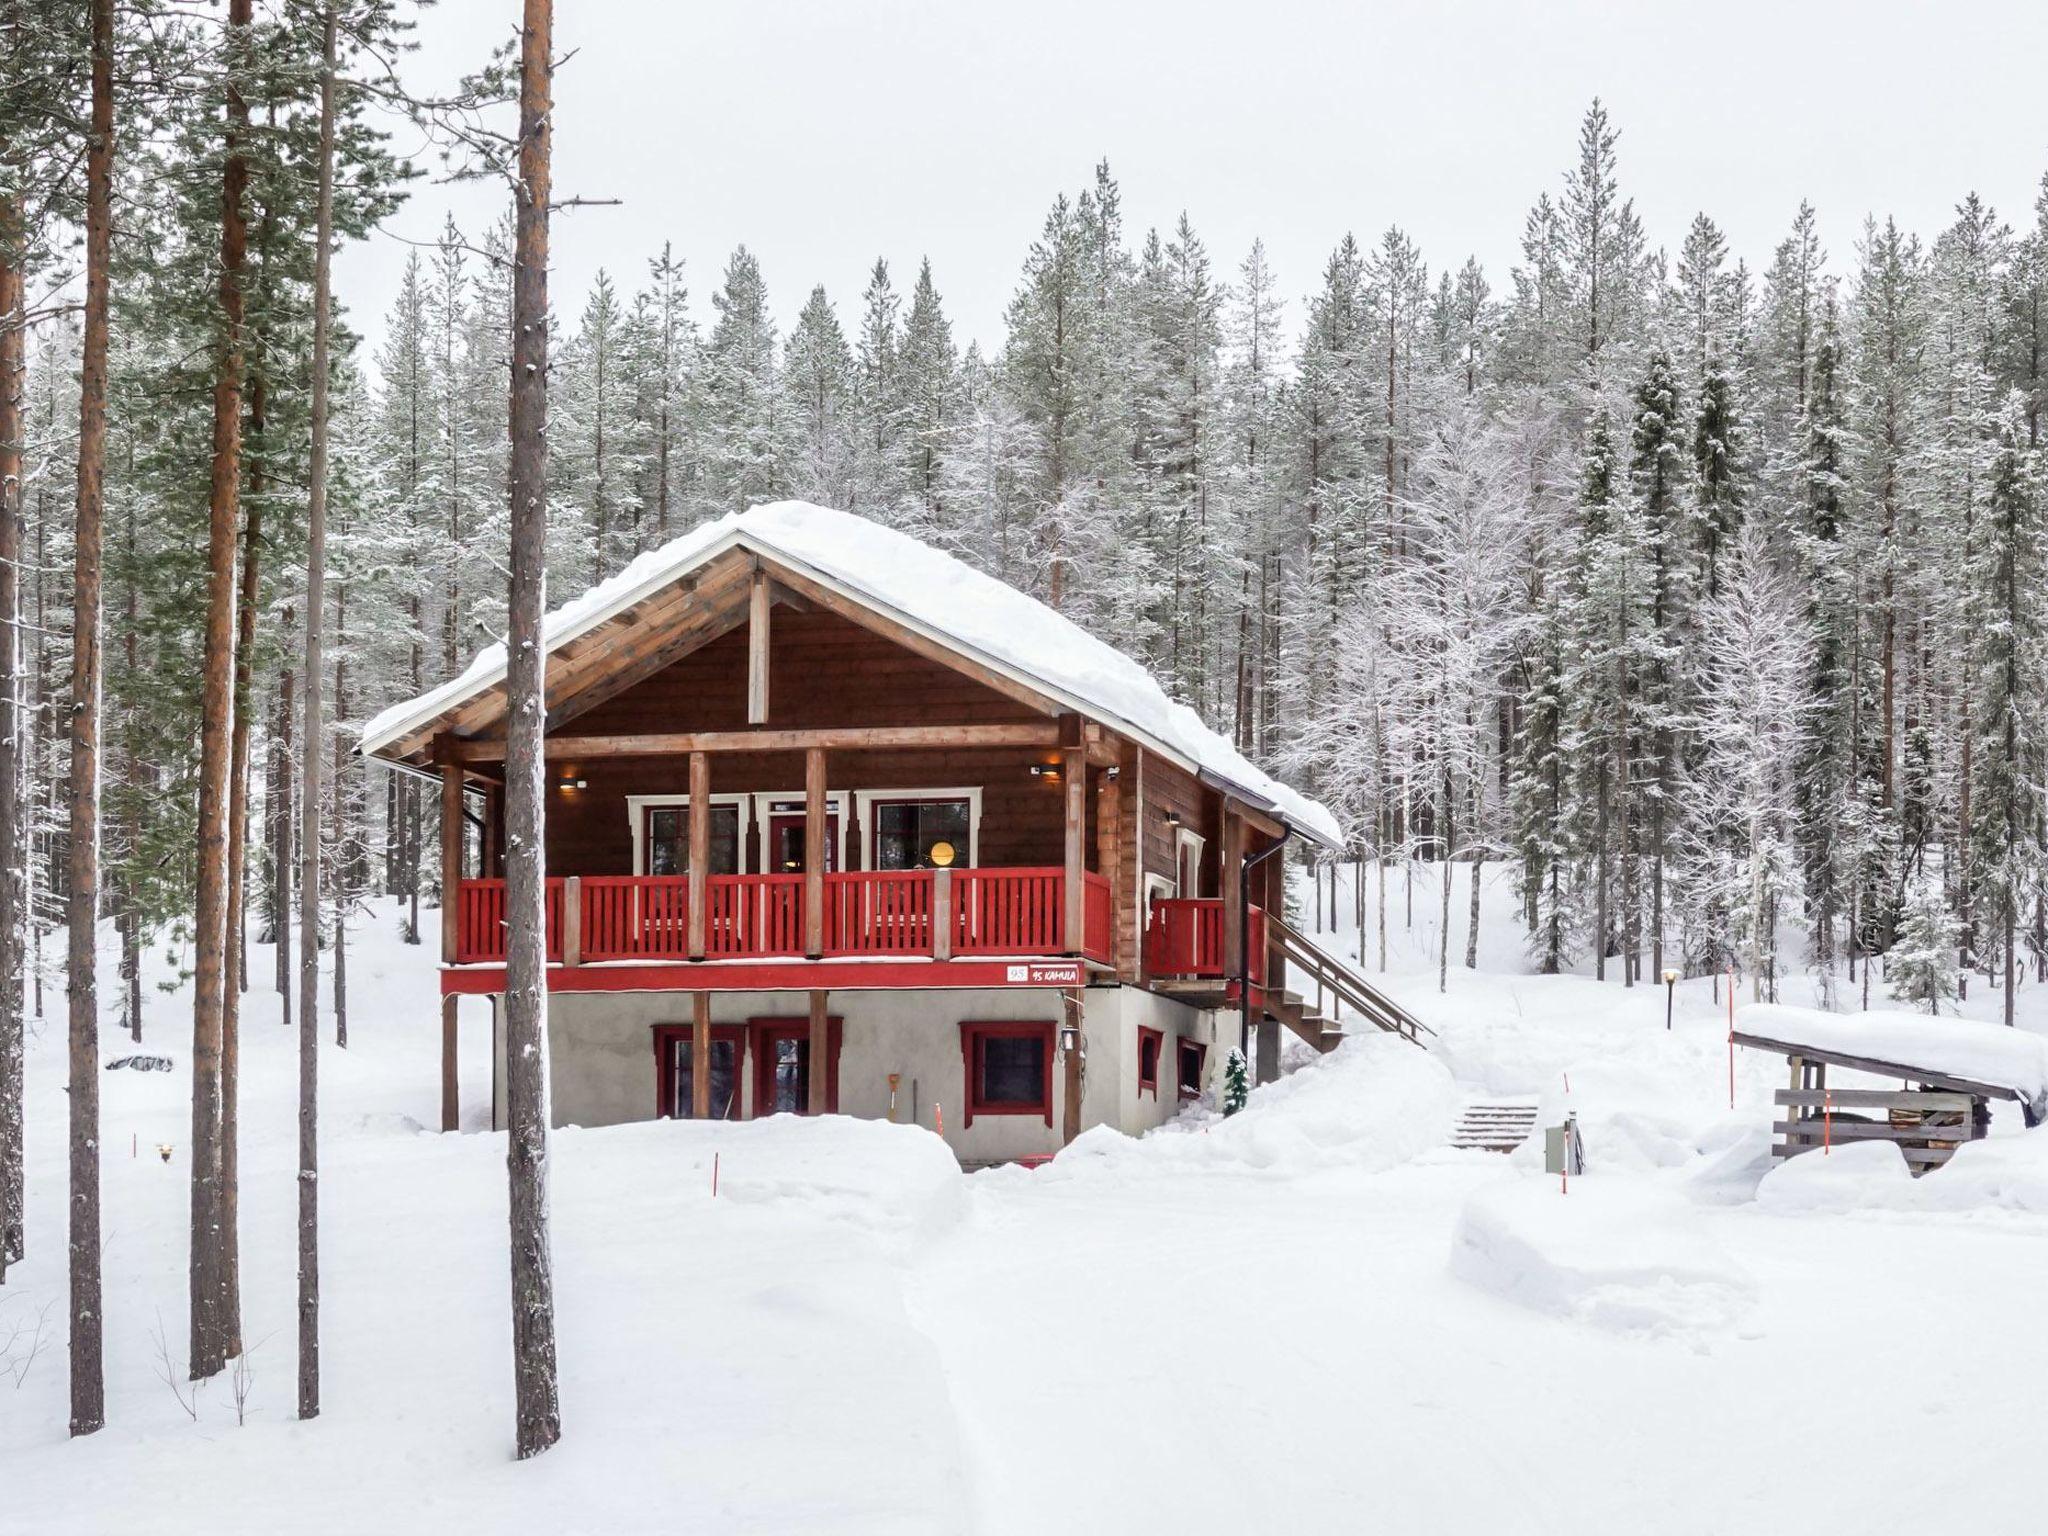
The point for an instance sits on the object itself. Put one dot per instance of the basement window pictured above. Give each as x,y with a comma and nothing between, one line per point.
1150,1043
1191,1057
1008,1069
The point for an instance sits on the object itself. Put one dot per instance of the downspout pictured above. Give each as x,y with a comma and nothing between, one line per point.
1244,938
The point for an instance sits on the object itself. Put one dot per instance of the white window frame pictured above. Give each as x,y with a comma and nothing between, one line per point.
1184,840
764,800
1157,888
637,807
864,801
755,815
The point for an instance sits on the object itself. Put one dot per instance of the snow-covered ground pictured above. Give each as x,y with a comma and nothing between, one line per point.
1313,1317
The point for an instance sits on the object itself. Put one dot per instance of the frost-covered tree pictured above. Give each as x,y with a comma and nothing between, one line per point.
1921,967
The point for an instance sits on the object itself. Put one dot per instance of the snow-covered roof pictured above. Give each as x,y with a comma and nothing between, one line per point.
929,591
1958,1049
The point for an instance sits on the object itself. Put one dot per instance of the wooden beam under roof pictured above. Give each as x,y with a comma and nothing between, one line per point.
1022,733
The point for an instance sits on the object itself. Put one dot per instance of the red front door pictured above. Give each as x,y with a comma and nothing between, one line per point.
782,1067
786,844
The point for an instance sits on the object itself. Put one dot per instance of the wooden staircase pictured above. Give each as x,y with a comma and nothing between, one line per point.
1336,988
1499,1125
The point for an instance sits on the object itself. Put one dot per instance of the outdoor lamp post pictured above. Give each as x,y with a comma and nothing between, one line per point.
1670,992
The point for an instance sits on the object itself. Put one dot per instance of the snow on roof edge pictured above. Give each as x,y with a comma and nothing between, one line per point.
963,608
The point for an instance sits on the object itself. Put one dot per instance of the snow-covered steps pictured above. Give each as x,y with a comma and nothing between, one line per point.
1318,1031
1495,1125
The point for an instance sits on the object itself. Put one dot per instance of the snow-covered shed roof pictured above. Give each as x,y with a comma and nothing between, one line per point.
2009,1062
929,591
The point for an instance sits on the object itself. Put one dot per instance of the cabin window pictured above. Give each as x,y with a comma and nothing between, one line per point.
1150,1043
676,1087
668,840
908,833
1009,1069
1192,1057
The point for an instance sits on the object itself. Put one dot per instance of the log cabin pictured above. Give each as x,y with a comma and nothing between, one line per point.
836,823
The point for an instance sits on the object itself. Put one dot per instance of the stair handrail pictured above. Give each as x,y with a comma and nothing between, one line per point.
1350,987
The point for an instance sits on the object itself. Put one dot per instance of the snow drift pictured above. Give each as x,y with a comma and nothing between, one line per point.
1629,1257
1372,1103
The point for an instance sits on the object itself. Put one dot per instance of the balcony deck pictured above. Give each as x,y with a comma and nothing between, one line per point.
954,927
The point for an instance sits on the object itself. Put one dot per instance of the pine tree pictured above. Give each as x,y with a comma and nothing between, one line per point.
818,381
1921,968
2006,800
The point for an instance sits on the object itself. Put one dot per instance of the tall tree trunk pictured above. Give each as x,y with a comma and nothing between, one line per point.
538,1411
316,557
13,886
208,1344
238,885
88,1385
283,810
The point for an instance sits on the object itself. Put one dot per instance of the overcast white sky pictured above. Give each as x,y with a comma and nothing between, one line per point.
825,132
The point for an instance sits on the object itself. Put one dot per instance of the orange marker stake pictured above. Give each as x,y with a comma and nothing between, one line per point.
939,1116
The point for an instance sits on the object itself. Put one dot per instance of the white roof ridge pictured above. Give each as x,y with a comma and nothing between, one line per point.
931,592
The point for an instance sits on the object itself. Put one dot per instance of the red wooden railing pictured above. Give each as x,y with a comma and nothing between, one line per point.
747,916
879,912
1185,939
1098,919
1008,911
635,918
480,921
869,912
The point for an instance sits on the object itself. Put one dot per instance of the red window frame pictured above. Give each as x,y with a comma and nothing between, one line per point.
972,1033
1189,1085
664,1080
762,1031
1156,1038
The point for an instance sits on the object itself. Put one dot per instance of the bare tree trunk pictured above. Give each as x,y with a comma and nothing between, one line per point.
88,1384
208,1343
13,887
538,1411
283,811
316,572
237,894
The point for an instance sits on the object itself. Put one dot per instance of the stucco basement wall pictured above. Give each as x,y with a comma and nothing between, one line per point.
602,1067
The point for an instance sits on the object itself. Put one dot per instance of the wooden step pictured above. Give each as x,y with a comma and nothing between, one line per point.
1499,1125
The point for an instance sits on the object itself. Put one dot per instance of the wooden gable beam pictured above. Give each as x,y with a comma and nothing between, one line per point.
759,606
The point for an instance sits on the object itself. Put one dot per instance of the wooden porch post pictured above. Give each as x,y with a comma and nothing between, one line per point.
451,859
1109,858
1071,1078
814,852
1230,873
451,1097
488,861
1074,778
821,1055
758,609
700,848
700,1057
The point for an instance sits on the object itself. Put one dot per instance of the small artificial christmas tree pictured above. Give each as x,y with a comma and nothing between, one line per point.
1237,1086
1921,967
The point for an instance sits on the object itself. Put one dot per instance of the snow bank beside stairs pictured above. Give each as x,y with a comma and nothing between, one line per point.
1374,1102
